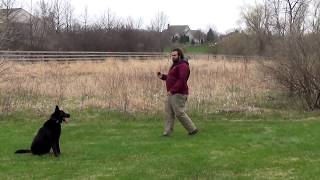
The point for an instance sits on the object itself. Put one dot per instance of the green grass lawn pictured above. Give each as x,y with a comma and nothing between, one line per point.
195,49
205,49
96,144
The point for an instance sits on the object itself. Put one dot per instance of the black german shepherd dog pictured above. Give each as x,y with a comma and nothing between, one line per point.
48,135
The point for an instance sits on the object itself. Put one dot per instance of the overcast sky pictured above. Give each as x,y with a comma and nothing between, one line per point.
224,15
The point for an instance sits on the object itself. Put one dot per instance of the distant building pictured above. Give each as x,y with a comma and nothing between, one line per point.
196,36
15,15
15,28
176,32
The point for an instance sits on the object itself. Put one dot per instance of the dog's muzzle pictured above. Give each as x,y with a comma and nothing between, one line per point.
65,119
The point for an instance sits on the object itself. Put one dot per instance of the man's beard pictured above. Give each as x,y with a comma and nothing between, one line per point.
175,60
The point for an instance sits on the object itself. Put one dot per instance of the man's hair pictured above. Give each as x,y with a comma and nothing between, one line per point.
180,53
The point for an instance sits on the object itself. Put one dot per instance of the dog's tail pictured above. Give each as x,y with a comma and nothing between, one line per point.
23,151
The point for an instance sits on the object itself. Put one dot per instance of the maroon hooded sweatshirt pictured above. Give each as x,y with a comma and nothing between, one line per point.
177,77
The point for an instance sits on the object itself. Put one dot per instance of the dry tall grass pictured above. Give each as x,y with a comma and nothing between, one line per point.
129,85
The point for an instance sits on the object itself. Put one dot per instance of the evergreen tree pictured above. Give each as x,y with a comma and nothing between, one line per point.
211,36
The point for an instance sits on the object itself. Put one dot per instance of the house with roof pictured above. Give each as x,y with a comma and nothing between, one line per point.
184,33
15,28
15,15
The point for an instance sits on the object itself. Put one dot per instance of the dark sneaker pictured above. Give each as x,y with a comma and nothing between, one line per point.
193,132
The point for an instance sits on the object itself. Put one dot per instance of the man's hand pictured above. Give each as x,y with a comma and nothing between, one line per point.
169,93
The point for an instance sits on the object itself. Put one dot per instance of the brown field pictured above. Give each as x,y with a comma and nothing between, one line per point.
130,85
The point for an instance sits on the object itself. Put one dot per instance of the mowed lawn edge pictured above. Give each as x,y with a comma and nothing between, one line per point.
113,145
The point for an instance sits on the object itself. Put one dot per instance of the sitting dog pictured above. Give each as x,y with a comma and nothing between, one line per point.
48,135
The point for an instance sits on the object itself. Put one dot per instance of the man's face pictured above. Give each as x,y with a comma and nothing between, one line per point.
174,56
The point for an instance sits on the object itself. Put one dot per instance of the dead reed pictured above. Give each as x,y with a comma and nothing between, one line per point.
129,85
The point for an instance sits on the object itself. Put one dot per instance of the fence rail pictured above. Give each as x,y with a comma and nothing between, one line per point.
33,56
75,56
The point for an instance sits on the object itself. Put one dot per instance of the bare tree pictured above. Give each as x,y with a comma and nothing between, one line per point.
32,23
159,22
68,15
31,28
315,23
85,18
287,16
54,27
133,23
107,20
2,33
297,11
257,22
7,16
297,59
7,5
45,22
57,12
277,20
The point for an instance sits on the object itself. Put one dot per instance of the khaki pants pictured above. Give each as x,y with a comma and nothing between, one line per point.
175,107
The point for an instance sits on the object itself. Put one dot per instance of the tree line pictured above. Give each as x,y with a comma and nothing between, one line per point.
53,26
289,32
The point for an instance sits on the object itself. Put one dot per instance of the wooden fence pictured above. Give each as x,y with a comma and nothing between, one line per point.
34,56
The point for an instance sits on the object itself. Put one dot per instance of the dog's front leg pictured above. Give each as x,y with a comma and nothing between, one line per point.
55,149
58,147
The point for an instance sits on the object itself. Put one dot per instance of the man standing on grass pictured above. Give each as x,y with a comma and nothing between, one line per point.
177,93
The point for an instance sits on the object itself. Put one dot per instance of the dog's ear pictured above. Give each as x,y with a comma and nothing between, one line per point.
57,108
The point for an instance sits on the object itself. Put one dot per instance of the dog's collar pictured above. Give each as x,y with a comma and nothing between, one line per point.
55,120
